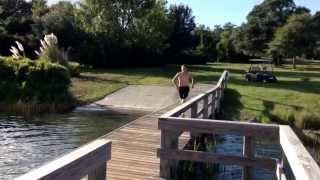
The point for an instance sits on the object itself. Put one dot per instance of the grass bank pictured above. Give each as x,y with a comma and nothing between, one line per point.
296,95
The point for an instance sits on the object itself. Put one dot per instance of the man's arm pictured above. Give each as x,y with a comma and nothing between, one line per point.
174,79
192,80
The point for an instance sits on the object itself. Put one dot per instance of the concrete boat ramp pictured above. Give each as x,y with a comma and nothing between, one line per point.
147,98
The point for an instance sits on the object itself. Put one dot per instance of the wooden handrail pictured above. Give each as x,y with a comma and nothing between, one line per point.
89,160
301,164
207,157
219,127
184,107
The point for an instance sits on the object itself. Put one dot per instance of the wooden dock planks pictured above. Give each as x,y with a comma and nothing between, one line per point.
134,149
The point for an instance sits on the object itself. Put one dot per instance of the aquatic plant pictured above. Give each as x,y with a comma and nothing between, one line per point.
50,51
17,52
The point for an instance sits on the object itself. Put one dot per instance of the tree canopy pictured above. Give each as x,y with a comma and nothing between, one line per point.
294,38
149,32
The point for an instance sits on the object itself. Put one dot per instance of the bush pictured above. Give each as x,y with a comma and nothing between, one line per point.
33,81
74,69
7,72
47,82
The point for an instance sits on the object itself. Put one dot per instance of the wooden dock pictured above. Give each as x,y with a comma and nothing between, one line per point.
134,149
134,146
150,147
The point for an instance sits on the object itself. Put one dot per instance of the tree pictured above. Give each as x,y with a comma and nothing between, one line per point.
15,24
225,47
315,27
229,45
121,30
60,20
152,29
263,21
294,38
39,9
181,38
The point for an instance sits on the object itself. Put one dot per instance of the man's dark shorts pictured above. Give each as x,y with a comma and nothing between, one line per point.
184,92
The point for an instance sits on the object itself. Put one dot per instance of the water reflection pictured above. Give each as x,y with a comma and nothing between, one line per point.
233,145
26,144
226,145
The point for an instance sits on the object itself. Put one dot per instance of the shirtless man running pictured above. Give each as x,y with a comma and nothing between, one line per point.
184,77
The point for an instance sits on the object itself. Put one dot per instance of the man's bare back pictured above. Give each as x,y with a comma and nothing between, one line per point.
184,79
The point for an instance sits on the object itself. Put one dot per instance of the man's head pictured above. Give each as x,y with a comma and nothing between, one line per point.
184,68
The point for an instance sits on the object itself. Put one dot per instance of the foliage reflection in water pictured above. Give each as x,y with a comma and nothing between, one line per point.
26,144
225,145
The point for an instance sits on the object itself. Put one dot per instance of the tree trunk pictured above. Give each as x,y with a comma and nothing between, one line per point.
294,62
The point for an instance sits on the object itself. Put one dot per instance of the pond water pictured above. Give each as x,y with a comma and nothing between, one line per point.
228,145
233,145
29,143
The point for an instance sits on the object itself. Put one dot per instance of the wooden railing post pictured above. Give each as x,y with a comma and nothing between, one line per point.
205,106
248,152
194,114
226,80
213,105
99,173
217,97
194,110
169,141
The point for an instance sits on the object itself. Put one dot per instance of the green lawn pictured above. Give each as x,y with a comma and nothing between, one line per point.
295,96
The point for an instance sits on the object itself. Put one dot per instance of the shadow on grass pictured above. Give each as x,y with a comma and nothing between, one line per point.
213,68
231,105
294,74
164,71
207,79
300,86
167,71
270,104
268,107
97,79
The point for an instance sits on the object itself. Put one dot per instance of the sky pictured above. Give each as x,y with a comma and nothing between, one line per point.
219,12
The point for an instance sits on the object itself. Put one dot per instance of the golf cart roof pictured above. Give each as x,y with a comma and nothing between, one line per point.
260,61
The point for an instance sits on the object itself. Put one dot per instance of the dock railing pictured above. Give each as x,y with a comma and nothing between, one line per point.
87,162
296,162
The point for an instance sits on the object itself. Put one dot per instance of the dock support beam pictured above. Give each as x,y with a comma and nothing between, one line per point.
168,167
205,107
248,152
99,173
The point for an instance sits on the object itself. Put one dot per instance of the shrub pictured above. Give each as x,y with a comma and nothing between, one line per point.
35,81
7,72
308,120
74,68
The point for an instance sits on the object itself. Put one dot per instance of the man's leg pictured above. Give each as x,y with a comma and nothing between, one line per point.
181,94
186,93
